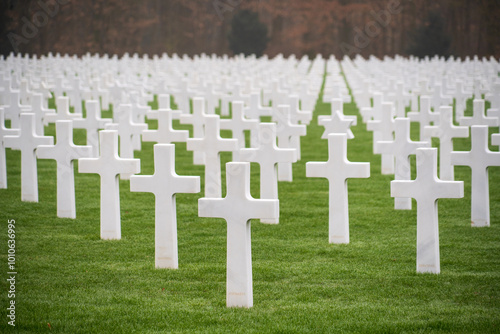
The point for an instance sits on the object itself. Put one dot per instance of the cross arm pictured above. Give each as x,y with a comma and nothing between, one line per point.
317,169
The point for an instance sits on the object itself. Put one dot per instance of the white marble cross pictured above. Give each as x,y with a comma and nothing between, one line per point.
238,124
337,170
402,147
92,123
267,154
446,131
127,130
385,126
15,109
460,100
237,208
479,158
427,188
478,116
424,117
197,119
296,115
27,141
212,145
62,112
285,131
3,159
64,152
164,184
165,134
40,111
109,165
255,110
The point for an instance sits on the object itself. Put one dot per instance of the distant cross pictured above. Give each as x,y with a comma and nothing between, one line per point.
479,158
15,109
62,112
127,129
337,170
109,165
402,147
3,159
165,184
40,111
285,131
446,131
424,117
92,123
460,100
64,152
478,116
27,141
296,114
427,188
197,119
165,134
238,124
237,208
255,110
212,145
267,154
385,126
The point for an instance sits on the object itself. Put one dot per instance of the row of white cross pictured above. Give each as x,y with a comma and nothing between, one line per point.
238,207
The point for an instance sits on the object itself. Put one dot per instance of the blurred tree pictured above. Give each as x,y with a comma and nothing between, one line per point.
430,39
248,35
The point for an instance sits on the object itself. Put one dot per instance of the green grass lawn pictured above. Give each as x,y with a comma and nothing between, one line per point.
70,281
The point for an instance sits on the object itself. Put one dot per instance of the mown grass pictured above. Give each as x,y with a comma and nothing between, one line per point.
70,281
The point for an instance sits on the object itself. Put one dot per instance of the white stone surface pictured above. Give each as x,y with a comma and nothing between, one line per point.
446,131
479,158
255,110
3,159
336,123
109,165
92,123
212,145
427,188
495,139
238,124
478,116
402,147
237,208
165,134
62,112
127,131
64,152
27,141
337,170
165,184
424,117
285,131
385,128
197,119
267,154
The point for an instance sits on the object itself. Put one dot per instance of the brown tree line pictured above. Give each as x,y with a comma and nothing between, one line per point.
339,27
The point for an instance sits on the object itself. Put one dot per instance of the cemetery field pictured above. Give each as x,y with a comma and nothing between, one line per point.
70,281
